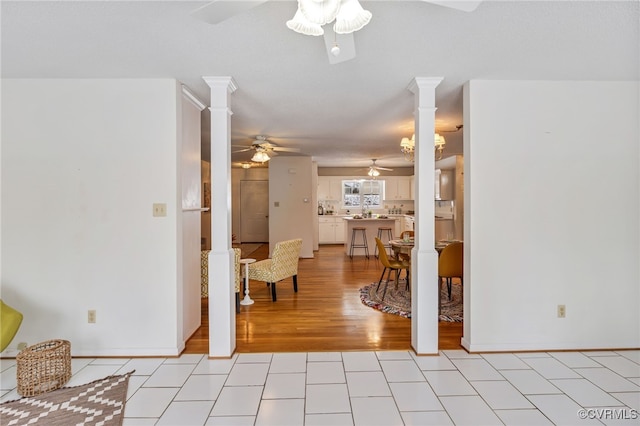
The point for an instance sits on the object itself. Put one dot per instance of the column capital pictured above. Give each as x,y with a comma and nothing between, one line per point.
424,83
216,82
424,90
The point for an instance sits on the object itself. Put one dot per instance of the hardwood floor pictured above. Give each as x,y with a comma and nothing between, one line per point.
325,315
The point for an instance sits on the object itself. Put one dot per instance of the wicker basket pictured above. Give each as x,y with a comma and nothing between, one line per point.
43,367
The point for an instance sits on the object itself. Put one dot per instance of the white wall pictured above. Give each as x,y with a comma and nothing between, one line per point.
82,163
552,216
290,184
189,287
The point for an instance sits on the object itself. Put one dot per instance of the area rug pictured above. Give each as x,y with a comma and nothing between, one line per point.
97,403
397,301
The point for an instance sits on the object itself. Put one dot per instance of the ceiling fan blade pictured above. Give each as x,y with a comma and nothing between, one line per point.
383,168
282,149
345,42
243,150
220,10
463,5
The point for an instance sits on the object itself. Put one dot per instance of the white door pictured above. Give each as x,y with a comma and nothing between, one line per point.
254,211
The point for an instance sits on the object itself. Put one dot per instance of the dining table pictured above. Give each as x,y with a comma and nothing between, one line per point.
402,248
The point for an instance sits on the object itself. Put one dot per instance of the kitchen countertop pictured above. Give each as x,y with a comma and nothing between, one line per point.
390,216
363,219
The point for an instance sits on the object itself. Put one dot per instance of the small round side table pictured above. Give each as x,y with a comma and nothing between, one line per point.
247,300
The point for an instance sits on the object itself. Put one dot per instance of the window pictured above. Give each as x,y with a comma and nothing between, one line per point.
362,194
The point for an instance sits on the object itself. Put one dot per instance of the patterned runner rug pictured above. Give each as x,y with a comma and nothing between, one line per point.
96,403
397,301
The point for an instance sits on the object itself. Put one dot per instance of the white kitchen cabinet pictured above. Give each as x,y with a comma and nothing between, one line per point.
339,226
329,188
330,230
397,188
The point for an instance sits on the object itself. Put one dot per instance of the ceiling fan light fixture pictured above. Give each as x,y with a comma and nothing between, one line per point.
319,12
351,17
260,157
373,172
301,25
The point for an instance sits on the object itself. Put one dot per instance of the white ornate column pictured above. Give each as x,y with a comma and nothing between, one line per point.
424,264
222,315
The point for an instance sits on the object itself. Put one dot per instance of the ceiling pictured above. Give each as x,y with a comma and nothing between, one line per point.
342,115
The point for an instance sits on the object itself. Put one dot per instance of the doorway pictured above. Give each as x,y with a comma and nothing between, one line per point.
254,211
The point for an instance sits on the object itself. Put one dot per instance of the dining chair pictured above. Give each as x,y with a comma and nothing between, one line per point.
408,234
450,265
282,264
391,265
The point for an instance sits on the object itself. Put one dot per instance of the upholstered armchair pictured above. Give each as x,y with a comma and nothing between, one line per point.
204,274
283,264
238,279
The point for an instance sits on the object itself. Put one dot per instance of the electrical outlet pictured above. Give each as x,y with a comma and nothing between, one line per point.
91,316
159,209
22,346
562,311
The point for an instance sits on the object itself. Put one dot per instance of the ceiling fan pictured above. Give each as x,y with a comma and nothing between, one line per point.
374,169
338,38
246,164
263,148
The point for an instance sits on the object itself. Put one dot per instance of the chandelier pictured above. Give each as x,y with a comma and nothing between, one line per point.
311,15
439,145
408,146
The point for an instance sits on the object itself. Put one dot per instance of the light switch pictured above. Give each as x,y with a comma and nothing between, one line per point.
276,204
159,209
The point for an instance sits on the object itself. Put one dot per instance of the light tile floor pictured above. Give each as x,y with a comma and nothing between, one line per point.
371,388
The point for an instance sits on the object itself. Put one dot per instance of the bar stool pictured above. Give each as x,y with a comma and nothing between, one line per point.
381,231
363,245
